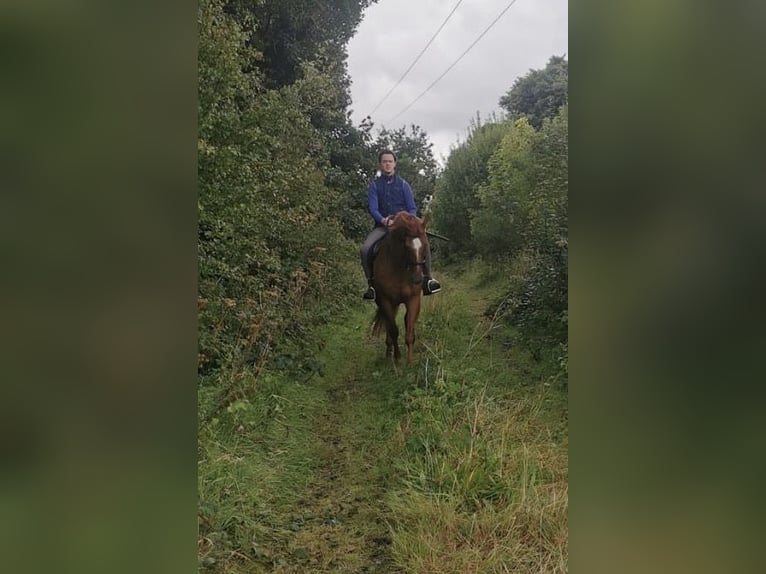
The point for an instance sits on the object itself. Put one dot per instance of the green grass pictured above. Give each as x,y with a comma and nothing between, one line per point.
243,471
484,473
455,463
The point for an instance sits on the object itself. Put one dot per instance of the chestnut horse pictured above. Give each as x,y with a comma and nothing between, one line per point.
398,279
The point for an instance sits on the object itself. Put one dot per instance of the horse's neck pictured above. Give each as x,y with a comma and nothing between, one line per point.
392,251
393,246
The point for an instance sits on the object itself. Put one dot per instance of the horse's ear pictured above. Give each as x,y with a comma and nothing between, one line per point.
426,220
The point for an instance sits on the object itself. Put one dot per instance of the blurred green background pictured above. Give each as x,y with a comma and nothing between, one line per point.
667,251
98,255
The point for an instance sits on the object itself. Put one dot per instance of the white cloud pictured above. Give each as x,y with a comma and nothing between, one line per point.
393,32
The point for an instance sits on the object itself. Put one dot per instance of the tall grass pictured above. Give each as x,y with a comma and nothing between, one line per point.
484,469
463,453
253,463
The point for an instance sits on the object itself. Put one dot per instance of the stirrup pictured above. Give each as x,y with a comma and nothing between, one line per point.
370,294
431,287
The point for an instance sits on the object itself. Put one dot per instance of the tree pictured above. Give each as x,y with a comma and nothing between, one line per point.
269,237
498,224
456,194
300,41
540,93
289,32
540,301
352,162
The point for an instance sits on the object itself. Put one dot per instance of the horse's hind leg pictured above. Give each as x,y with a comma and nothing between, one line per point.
389,340
395,340
389,344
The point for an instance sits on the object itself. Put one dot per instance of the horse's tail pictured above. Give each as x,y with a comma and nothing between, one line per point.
378,323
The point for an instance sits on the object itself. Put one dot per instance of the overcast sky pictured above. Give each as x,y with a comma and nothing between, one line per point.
393,32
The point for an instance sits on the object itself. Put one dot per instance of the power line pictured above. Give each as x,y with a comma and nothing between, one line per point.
415,61
487,29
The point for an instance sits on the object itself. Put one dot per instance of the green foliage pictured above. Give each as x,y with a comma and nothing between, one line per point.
291,32
497,224
523,221
457,194
222,84
301,41
352,161
269,243
503,197
542,302
540,93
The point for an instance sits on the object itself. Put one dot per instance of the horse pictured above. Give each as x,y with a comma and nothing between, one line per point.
398,279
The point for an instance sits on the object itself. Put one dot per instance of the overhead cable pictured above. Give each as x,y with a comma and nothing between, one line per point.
415,61
487,29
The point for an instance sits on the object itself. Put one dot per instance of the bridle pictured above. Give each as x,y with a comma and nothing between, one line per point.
417,263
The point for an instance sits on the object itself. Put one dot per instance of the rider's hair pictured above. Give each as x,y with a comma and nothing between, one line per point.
386,152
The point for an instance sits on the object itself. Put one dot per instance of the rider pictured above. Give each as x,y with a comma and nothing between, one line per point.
387,195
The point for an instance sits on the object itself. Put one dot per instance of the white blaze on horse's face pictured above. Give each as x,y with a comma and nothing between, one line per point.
417,245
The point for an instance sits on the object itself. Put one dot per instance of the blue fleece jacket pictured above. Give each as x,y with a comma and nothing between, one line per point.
388,196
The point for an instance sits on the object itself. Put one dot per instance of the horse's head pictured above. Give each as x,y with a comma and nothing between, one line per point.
410,232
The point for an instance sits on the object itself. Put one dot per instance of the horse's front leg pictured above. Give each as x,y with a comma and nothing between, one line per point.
410,318
392,331
392,340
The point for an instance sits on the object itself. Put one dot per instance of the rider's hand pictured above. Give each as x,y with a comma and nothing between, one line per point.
388,221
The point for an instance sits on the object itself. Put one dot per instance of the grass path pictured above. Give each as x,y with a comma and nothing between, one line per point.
345,520
455,463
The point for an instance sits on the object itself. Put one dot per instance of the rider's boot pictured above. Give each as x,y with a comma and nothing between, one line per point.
370,294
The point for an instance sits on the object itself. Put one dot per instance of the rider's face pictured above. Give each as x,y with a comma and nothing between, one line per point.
387,164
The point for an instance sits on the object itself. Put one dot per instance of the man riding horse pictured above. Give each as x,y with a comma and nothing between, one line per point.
387,195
